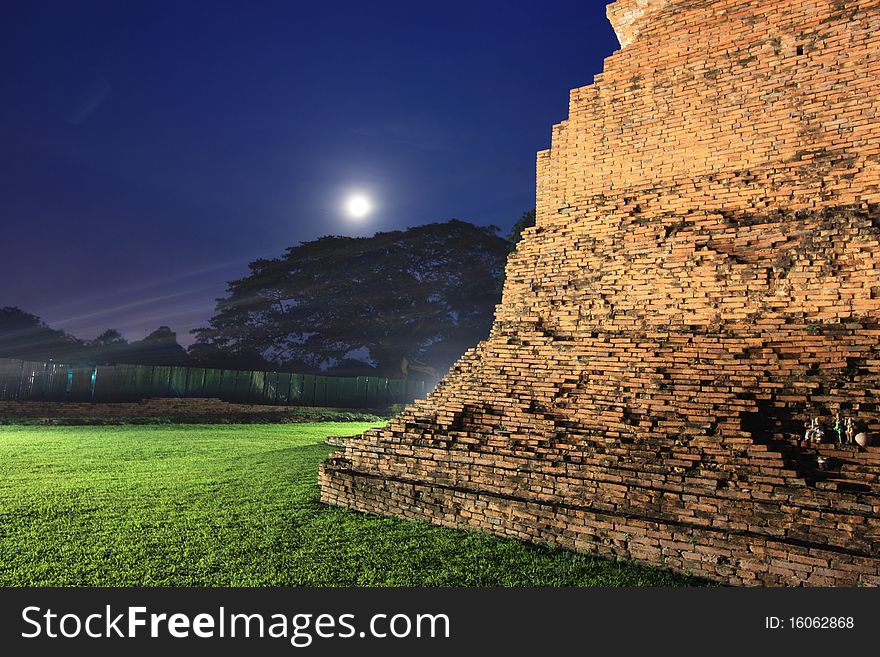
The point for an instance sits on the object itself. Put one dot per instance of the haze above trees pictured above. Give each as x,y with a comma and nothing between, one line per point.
397,304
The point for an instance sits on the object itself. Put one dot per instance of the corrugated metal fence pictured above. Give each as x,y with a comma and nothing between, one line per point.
23,380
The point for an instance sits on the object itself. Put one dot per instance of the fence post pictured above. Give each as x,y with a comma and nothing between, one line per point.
45,381
249,398
20,382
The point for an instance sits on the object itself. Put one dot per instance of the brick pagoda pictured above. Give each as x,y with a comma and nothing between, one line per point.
702,281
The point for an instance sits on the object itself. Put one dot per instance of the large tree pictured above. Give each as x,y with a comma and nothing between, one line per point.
401,302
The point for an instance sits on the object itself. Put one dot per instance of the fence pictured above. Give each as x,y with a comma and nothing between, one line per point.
24,381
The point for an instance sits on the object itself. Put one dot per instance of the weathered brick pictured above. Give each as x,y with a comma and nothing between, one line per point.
701,281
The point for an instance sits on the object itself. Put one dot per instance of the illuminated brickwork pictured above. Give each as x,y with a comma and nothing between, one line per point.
703,278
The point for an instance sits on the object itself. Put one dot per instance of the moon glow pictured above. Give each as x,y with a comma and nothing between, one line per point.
358,206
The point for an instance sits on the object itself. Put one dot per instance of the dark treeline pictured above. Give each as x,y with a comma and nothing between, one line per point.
27,337
397,304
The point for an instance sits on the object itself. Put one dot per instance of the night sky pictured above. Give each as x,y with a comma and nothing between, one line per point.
150,150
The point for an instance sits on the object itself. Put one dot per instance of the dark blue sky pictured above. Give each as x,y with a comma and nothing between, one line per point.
151,149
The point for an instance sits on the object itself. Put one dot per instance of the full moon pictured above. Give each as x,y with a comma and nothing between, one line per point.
358,206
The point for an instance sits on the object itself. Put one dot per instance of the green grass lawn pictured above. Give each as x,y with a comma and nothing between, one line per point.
234,505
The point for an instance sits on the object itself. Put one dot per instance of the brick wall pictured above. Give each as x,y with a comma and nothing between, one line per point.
703,278
188,409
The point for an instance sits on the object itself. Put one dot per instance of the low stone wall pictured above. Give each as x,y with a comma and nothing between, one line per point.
195,410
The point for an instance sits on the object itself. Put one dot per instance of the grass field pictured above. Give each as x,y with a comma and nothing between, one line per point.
234,505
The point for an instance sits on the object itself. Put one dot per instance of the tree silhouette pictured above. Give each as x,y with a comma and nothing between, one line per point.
401,302
26,336
159,348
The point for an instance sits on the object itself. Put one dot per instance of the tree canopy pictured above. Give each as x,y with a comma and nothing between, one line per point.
396,303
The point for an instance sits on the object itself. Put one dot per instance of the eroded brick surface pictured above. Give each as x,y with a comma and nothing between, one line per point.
702,279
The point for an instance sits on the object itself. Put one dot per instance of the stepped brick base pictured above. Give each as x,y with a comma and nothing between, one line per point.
703,278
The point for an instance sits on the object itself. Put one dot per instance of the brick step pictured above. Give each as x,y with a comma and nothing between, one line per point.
847,486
